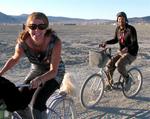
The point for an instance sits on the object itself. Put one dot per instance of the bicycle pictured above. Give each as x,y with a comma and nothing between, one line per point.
59,106
92,89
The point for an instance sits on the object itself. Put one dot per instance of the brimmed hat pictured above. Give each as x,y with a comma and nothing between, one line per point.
123,14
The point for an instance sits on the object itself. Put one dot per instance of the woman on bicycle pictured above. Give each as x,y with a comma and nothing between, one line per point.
43,49
126,36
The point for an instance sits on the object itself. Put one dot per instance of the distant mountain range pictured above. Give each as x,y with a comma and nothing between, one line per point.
11,19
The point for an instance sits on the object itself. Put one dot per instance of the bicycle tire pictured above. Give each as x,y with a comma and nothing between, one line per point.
92,91
136,84
64,107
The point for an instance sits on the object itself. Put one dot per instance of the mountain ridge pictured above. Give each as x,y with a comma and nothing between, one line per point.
19,19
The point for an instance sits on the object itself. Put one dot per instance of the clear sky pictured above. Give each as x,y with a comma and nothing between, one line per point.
88,9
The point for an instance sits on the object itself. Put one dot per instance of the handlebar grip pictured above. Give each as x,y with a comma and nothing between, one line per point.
102,45
23,85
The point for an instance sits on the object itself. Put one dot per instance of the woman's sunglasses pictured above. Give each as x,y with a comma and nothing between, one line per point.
39,26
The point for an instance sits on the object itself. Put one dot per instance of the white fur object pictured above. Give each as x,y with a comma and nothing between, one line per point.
69,85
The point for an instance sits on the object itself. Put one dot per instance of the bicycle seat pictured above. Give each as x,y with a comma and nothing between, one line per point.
63,93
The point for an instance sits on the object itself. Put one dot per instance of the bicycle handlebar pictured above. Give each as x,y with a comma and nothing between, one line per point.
106,50
23,85
103,45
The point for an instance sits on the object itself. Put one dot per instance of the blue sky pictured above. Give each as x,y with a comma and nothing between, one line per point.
88,9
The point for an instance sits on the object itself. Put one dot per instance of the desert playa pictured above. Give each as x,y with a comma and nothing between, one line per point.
77,41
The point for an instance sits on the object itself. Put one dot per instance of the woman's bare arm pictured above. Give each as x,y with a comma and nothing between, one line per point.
13,60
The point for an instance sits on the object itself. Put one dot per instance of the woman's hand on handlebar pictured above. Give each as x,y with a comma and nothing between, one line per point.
36,82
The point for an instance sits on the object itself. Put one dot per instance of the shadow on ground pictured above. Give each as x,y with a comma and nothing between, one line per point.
103,112
124,112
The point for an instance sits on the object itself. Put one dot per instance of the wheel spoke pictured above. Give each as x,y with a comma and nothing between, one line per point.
91,91
136,83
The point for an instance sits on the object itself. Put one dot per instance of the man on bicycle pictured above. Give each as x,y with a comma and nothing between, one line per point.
126,36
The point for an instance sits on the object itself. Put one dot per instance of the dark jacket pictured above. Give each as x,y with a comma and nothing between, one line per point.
130,39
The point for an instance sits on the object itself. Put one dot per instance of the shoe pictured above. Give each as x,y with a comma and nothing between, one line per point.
108,88
111,81
128,83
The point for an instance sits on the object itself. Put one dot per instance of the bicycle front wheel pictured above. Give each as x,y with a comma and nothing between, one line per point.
15,115
65,108
92,91
136,83
52,114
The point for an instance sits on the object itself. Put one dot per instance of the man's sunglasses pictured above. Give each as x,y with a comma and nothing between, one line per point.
39,26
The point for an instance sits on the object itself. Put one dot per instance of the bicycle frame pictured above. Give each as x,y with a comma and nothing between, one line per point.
94,86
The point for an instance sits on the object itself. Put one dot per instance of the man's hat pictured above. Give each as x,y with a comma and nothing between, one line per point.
122,14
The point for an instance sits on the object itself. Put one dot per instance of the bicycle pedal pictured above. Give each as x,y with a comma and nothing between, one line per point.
117,84
108,88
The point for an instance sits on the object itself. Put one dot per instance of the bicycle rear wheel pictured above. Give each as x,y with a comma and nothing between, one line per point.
64,107
136,83
91,91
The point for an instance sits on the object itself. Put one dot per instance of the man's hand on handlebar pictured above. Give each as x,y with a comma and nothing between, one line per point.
103,45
